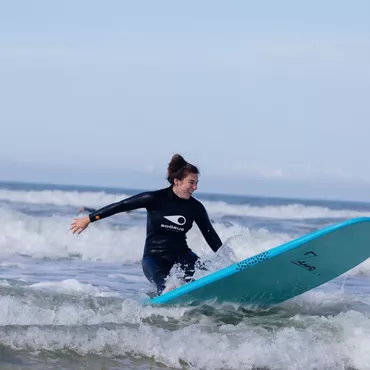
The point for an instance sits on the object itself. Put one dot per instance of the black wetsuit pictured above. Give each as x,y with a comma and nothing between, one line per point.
169,218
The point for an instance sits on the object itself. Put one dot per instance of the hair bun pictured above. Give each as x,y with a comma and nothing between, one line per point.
177,162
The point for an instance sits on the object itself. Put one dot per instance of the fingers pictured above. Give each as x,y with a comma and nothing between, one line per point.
74,229
76,226
77,229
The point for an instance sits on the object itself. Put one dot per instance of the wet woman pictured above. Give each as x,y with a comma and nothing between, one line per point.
170,215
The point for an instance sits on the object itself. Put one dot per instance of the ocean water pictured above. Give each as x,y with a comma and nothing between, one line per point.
75,301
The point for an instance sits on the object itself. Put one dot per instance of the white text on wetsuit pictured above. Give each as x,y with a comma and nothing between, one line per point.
172,227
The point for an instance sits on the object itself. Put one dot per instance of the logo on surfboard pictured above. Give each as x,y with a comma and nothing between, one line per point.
306,262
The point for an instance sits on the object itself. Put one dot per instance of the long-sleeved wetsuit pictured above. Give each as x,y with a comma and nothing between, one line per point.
169,218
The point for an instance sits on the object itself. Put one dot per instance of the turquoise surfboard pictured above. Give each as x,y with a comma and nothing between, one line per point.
282,272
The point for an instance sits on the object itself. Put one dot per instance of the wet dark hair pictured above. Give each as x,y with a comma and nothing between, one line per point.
178,168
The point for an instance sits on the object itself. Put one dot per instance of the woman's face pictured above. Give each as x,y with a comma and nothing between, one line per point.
185,188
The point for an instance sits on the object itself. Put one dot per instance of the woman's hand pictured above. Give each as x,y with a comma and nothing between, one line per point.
80,224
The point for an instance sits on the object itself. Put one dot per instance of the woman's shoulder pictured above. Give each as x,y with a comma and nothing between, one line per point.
196,203
159,193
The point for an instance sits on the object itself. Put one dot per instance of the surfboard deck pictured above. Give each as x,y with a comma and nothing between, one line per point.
282,272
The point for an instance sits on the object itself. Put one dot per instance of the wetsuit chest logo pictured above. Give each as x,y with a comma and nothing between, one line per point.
178,220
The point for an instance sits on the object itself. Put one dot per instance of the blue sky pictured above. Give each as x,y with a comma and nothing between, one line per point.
266,97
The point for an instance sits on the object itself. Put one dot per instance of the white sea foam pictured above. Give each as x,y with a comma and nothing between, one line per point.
316,342
61,198
51,237
73,286
289,211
